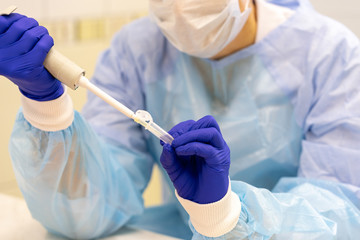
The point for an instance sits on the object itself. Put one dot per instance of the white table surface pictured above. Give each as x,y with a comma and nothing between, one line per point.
16,223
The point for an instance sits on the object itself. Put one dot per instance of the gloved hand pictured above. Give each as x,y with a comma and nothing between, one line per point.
23,48
198,160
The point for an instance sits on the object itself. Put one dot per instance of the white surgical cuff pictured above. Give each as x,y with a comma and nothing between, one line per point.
54,115
214,219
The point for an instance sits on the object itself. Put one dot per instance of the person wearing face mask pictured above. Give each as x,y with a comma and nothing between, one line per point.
262,101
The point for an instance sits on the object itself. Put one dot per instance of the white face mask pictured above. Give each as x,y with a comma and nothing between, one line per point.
200,28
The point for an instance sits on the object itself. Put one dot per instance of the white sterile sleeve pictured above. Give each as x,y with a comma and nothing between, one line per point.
214,219
54,115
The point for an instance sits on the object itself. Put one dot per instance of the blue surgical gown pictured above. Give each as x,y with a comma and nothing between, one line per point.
288,107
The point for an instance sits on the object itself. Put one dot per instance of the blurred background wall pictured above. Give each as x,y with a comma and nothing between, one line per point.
81,30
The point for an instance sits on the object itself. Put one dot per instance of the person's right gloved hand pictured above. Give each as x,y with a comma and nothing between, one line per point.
198,160
24,46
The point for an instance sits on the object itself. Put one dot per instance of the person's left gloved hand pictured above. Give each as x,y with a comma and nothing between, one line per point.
198,161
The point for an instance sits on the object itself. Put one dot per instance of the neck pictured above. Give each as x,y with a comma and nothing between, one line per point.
245,38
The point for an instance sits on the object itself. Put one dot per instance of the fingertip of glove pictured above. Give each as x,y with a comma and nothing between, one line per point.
167,147
46,42
162,143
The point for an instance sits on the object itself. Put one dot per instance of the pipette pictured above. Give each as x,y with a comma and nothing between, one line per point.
73,76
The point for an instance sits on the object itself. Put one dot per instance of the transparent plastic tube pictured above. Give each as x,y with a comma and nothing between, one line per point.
144,118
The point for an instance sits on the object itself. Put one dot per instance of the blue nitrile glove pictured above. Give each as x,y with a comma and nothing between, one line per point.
23,48
198,160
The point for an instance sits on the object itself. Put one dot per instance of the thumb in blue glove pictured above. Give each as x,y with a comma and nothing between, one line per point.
23,48
198,160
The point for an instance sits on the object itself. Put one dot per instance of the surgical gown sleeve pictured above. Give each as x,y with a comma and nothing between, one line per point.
78,183
323,202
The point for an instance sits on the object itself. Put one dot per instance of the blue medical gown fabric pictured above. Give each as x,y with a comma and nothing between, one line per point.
287,106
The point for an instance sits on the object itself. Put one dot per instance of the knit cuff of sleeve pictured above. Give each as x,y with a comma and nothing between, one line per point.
214,219
54,115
